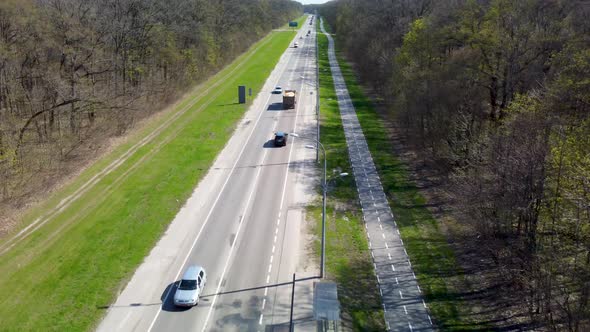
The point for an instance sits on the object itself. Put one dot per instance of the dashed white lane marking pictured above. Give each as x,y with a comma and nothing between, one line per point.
269,268
279,214
381,226
398,232
393,267
378,219
372,255
383,235
263,303
381,291
277,230
265,291
424,304
368,235
388,327
273,249
370,245
260,320
396,281
384,309
387,247
275,239
410,325
267,279
413,274
405,251
271,257
388,254
406,310
402,241
430,320
400,294
378,280
419,290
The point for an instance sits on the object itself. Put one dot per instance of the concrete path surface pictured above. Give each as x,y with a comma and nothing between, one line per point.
405,309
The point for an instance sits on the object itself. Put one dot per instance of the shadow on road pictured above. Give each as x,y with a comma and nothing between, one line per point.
260,287
275,107
168,299
270,144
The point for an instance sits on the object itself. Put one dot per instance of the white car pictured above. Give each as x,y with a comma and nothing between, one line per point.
278,90
190,287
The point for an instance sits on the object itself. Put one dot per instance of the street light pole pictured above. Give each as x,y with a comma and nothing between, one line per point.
324,192
317,84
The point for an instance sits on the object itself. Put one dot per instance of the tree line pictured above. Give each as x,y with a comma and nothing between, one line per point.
74,73
497,94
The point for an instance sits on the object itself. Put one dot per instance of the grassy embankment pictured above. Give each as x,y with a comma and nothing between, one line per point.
59,277
432,258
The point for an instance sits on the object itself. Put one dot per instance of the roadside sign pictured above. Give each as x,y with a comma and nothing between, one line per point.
242,94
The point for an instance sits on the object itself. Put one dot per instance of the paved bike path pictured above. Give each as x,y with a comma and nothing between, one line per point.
404,307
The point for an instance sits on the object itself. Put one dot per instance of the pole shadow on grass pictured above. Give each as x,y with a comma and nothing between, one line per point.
229,104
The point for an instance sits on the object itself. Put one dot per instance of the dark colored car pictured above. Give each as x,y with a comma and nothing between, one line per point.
280,138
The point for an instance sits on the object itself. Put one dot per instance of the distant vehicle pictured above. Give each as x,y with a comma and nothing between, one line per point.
277,90
296,45
289,99
190,287
280,138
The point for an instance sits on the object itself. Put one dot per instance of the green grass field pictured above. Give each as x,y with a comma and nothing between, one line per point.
432,259
60,277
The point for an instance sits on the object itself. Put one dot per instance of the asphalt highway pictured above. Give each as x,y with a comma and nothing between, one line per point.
242,223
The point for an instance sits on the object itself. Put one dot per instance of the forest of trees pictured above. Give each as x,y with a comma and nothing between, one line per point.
75,72
497,94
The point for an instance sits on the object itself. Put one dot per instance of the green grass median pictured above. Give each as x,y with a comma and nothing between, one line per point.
62,276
